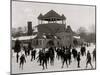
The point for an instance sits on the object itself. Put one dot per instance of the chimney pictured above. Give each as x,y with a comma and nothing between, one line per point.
29,28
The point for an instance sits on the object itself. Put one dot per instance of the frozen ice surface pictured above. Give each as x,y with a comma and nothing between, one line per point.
32,67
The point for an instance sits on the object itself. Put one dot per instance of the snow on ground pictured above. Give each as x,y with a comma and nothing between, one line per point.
31,67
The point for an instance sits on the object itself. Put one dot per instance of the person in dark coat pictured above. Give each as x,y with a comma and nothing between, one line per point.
22,61
44,62
26,50
74,52
29,47
47,56
94,55
78,60
89,59
17,47
58,51
51,55
65,57
69,54
34,54
83,50
17,56
40,56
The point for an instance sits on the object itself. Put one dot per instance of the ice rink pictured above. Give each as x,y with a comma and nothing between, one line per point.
32,67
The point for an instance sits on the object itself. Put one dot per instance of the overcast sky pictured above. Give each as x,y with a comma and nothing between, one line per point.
77,16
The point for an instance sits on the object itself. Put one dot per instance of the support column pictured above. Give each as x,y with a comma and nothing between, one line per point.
42,43
62,22
52,20
41,21
55,20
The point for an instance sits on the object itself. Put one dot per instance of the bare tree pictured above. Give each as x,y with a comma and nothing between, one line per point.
87,36
92,28
81,30
82,33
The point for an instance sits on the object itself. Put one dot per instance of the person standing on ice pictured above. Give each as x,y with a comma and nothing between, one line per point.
17,56
89,59
69,54
26,51
78,60
94,54
22,61
65,57
17,47
40,56
83,50
51,55
29,48
74,52
34,53
44,62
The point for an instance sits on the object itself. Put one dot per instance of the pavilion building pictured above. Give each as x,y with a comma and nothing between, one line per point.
51,31
53,27
51,23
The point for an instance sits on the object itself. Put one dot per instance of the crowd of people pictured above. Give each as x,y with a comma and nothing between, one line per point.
48,55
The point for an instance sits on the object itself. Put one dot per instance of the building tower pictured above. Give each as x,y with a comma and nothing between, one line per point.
51,23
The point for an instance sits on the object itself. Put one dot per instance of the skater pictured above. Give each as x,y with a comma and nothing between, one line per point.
17,47
89,59
34,53
22,61
83,50
44,62
69,54
40,56
65,57
51,55
47,56
17,56
58,52
26,51
29,48
94,54
78,60
74,52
